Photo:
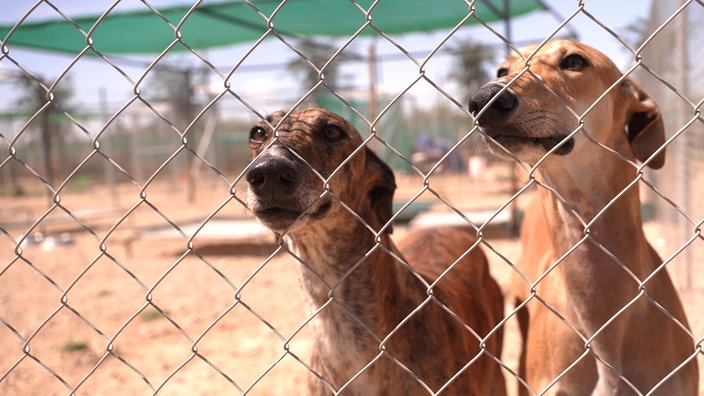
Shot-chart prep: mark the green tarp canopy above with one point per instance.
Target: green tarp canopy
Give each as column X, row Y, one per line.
column 219, row 24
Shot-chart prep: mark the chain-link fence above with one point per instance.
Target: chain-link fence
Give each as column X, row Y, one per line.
column 130, row 262
column 671, row 81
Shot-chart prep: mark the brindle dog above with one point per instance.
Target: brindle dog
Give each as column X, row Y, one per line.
column 379, row 330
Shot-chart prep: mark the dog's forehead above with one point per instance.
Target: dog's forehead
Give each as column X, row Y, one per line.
column 307, row 121
column 552, row 52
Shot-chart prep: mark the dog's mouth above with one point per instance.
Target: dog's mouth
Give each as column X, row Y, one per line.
column 513, row 142
column 276, row 218
column 276, row 212
column 280, row 217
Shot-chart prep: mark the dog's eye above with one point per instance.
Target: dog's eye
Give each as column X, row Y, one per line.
column 257, row 135
column 502, row 72
column 574, row 62
column 333, row 133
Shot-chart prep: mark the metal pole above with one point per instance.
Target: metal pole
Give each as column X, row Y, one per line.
column 506, row 16
column 682, row 148
column 515, row 225
column 105, row 149
column 372, row 91
column 372, row 85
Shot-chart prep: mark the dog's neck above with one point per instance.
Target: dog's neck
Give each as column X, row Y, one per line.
column 599, row 212
column 358, row 282
column 329, row 248
column 599, row 261
column 594, row 191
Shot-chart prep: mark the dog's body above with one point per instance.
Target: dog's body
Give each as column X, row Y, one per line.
column 354, row 279
column 587, row 225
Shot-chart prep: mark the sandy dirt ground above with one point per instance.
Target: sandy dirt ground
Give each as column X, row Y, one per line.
column 123, row 310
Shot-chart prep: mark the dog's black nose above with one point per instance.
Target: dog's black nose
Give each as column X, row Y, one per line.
column 499, row 110
column 273, row 177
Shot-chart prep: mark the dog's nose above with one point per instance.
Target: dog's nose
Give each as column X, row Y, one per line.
column 273, row 177
column 499, row 110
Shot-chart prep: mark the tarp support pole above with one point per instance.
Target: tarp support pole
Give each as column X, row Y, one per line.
column 372, row 89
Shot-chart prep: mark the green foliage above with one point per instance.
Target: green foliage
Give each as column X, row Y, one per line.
column 151, row 314
column 81, row 182
column 18, row 191
column 74, row 346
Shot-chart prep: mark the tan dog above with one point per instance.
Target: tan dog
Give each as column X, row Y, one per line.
column 587, row 224
column 313, row 182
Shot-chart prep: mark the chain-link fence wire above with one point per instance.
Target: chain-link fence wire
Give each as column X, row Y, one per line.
column 672, row 81
column 96, row 299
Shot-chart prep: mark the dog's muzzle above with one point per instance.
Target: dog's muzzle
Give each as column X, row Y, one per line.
column 277, row 193
column 499, row 112
column 495, row 109
column 273, row 176
column 273, row 183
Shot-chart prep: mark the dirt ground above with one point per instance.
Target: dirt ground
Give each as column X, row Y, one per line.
column 121, row 311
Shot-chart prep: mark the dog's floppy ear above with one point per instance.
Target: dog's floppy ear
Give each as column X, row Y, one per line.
column 646, row 131
column 381, row 186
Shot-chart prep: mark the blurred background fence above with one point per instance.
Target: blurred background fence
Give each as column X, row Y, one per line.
column 673, row 82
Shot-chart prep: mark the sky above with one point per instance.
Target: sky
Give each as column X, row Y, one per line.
column 271, row 87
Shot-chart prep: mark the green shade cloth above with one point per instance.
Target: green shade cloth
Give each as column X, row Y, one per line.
column 225, row 23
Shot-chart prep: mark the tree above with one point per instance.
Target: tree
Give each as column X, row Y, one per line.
column 636, row 32
column 315, row 55
column 35, row 97
column 470, row 64
column 175, row 87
